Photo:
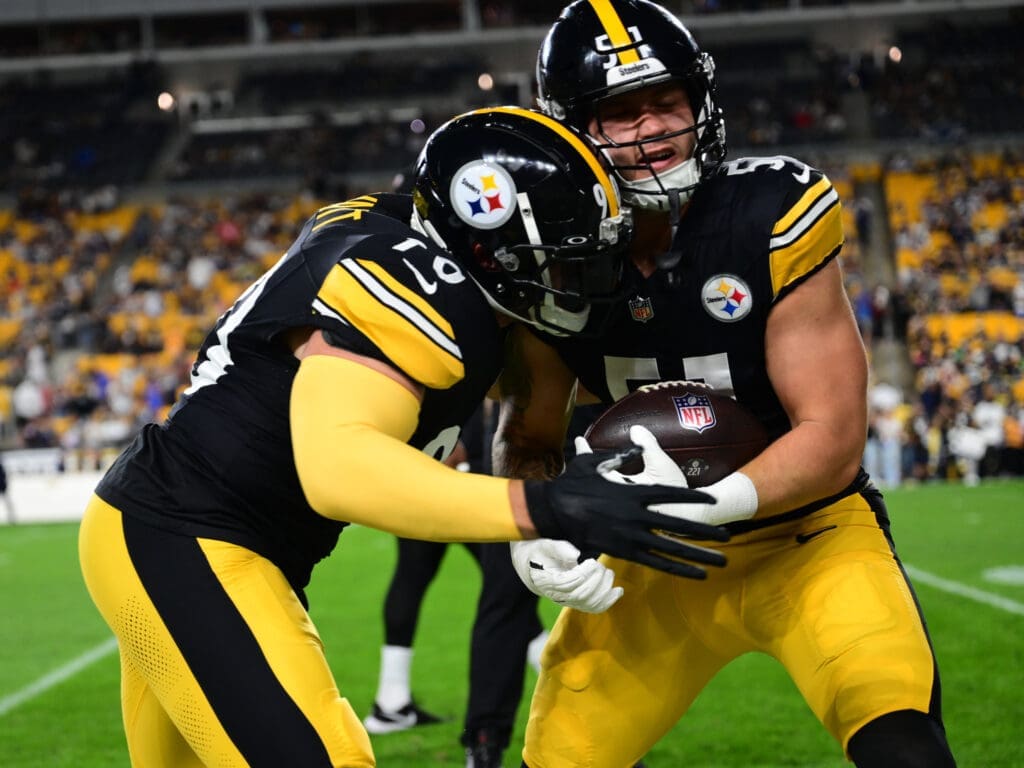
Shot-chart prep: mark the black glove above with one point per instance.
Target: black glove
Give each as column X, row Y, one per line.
column 598, row 515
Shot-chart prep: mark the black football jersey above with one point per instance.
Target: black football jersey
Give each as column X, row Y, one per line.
column 221, row 466
column 752, row 232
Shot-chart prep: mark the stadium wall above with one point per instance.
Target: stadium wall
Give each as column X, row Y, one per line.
column 40, row 492
column 51, row 497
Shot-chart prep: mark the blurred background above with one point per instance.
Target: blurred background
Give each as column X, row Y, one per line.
column 157, row 155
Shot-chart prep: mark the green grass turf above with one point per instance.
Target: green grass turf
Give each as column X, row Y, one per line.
column 750, row 716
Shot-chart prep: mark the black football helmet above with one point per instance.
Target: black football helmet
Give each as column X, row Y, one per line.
column 527, row 207
column 598, row 49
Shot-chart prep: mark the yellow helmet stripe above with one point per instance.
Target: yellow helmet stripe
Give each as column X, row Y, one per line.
column 617, row 34
column 585, row 152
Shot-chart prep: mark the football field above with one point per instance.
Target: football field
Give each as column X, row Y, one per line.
column 964, row 548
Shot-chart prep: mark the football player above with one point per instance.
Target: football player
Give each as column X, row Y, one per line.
column 350, row 363
column 736, row 282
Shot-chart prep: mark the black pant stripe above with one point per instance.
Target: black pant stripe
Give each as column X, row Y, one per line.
column 876, row 501
column 259, row 716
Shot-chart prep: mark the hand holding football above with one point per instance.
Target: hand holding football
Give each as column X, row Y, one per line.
column 709, row 435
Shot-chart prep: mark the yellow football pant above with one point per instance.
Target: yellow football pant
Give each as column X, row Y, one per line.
column 824, row 595
column 220, row 663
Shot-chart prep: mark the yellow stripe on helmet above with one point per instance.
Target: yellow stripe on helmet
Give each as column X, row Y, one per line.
column 585, row 151
column 616, row 31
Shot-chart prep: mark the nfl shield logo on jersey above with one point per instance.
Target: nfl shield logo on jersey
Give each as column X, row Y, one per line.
column 641, row 309
column 695, row 411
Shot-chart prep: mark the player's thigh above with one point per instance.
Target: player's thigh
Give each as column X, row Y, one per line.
column 155, row 677
column 289, row 683
column 225, row 646
column 856, row 643
column 152, row 737
column 613, row 683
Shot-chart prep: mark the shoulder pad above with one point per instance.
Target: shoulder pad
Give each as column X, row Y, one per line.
column 394, row 290
column 806, row 223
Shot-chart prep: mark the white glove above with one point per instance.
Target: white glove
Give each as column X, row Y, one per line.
column 659, row 469
column 735, row 493
column 550, row 568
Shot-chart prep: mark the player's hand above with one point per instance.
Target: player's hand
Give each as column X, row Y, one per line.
column 735, row 495
column 735, row 499
column 551, row 568
column 599, row 515
column 659, row 469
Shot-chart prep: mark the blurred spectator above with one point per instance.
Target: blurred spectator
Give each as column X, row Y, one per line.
column 29, row 402
column 967, row 445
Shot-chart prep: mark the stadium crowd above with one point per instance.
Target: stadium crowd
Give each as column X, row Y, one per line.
column 103, row 295
column 103, row 305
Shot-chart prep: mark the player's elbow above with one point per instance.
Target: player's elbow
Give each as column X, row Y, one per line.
column 846, row 471
column 847, row 455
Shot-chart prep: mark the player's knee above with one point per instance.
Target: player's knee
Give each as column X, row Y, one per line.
column 905, row 739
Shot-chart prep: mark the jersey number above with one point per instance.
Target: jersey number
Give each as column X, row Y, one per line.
column 777, row 163
column 441, row 447
column 625, row 374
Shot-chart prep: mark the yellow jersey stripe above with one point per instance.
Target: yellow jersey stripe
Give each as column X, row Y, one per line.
column 782, row 238
column 616, row 31
column 585, row 152
column 805, row 202
column 410, row 339
column 418, row 304
column 816, row 235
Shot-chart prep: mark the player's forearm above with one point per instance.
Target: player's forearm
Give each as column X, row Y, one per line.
column 817, row 364
column 511, row 460
column 536, row 394
column 518, row 451
column 349, row 427
column 811, row 462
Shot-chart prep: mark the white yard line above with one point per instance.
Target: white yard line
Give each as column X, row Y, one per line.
column 58, row 676
column 956, row 588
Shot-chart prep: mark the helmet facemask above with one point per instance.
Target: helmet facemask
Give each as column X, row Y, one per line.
column 555, row 287
column 668, row 189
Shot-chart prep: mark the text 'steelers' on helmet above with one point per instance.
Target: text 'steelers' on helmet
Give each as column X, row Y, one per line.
column 599, row 49
column 525, row 204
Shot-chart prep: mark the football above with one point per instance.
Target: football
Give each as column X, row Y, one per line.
column 708, row 435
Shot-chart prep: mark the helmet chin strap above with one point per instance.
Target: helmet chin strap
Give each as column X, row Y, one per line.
column 665, row 192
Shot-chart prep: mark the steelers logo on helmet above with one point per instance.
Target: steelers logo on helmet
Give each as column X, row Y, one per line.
column 483, row 194
column 726, row 298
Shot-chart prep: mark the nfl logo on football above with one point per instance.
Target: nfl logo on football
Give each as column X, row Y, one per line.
column 694, row 411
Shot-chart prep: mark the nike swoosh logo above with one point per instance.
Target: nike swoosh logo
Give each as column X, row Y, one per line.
column 803, row 538
column 429, row 288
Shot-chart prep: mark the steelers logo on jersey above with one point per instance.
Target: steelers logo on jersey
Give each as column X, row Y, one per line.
column 726, row 298
column 483, row 195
